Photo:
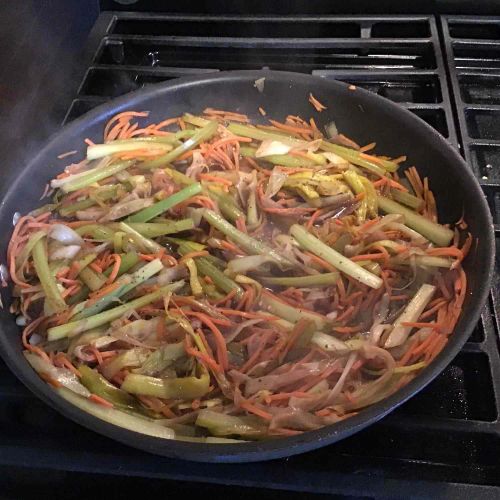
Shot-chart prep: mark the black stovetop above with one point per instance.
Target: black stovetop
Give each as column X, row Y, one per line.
column 446, row 440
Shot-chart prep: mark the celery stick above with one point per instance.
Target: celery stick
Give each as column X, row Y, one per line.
column 174, row 388
column 325, row 279
column 412, row 312
column 165, row 204
column 147, row 244
column 198, row 137
column 97, row 151
column 53, row 297
column 126, row 282
column 75, row 327
column 179, row 177
column 355, row 157
column 282, row 160
column 93, row 280
column 153, row 230
column 248, row 243
column 198, row 121
column 117, row 417
column 95, row 175
column 347, row 266
column 206, row 268
column 434, row 232
column 226, row 205
column 407, row 199
column 262, row 135
column 292, row 314
column 97, row 231
column 128, row 260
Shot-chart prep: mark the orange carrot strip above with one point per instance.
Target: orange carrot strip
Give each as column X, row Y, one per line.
column 316, row 104
column 100, row 401
column 249, row 407
column 116, row 267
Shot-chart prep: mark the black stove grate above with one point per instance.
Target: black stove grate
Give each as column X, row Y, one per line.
column 445, row 440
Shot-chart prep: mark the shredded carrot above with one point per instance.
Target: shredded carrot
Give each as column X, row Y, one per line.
column 215, row 178
column 316, row 104
column 222, row 354
column 116, row 268
column 193, row 255
column 95, row 267
column 250, row 408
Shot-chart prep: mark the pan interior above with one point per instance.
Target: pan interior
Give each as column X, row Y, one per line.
column 358, row 114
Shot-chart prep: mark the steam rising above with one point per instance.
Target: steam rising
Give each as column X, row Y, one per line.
column 41, row 68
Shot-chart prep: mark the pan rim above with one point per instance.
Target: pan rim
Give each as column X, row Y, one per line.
column 273, row 448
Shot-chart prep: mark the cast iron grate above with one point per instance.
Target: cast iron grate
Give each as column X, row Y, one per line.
column 445, row 436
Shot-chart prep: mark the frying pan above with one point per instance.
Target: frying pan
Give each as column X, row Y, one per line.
column 357, row 113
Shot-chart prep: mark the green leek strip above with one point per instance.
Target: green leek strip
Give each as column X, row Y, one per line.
column 410, row 368
column 118, row 241
column 179, row 177
column 128, row 260
column 96, row 151
column 201, row 135
column 433, row 261
column 154, row 229
column 173, row 388
column 197, row 121
column 165, row 204
column 127, row 283
column 407, row 199
column 226, row 205
column 438, row 234
column 85, row 261
column 26, row 252
column 252, row 214
column 289, row 313
column 172, row 139
column 262, row 135
column 49, row 207
column 97, row 231
column 206, row 268
column 99, row 386
column 370, row 197
column 82, row 294
column 282, row 160
column 220, row 424
column 347, row 266
column 160, row 359
column 248, row 243
column 97, row 174
column 75, row 327
column 147, row 244
column 117, row 417
column 355, row 183
column 93, row 280
column 187, row 245
column 74, row 207
column 411, row 313
column 53, row 297
column 353, row 156
column 194, row 282
column 312, row 280
column 423, row 260
column 103, row 194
